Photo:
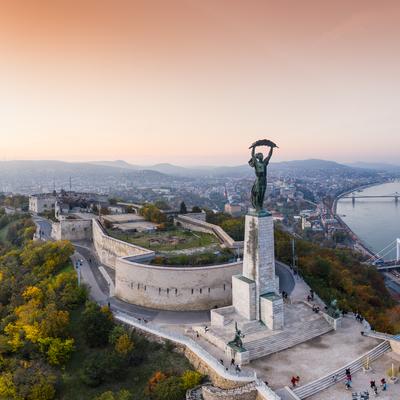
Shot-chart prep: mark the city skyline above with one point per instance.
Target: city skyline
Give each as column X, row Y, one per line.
column 195, row 83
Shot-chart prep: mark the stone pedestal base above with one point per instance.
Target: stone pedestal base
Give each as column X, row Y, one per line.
column 271, row 311
column 244, row 297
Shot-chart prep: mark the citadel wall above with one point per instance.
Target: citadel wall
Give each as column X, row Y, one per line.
column 72, row 229
column 175, row 288
column 109, row 249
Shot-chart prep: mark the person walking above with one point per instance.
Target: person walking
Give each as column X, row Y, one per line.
column 383, row 384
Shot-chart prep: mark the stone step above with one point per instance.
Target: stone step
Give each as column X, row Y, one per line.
column 286, row 339
column 323, row 383
column 315, row 325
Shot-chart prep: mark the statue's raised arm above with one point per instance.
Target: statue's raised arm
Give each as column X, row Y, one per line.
column 259, row 163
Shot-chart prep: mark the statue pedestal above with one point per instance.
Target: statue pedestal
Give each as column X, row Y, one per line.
column 255, row 293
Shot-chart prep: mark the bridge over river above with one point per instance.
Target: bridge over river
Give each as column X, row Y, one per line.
column 354, row 196
column 379, row 258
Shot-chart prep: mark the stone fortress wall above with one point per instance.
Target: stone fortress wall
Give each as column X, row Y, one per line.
column 164, row 288
column 109, row 249
column 72, row 229
column 175, row 288
column 160, row 287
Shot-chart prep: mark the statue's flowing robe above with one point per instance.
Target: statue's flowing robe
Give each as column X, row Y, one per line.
column 260, row 184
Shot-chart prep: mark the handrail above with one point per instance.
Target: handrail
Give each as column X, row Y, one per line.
column 340, row 371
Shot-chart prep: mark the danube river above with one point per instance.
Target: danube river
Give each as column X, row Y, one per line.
column 375, row 221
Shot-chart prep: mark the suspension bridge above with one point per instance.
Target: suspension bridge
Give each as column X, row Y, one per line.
column 354, row 196
column 379, row 258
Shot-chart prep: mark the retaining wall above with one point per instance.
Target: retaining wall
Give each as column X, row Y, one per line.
column 72, row 229
column 109, row 249
column 175, row 288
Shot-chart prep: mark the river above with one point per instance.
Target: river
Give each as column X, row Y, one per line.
column 375, row 221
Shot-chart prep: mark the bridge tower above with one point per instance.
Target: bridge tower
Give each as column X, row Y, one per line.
column 398, row 250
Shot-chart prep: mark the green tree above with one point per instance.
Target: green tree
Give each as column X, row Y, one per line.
column 169, row 389
column 182, row 208
column 7, row 386
column 97, row 324
column 121, row 395
column 93, row 372
column 191, row 379
column 124, row 345
column 115, row 333
column 57, row 350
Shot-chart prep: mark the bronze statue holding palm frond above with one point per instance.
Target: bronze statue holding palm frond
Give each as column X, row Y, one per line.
column 259, row 163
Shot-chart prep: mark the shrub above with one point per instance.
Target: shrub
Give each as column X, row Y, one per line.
column 97, row 324
column 169, row 389
column 93, row 373
column 190, row 379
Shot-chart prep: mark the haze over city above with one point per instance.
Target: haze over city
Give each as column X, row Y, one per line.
column 196, row 83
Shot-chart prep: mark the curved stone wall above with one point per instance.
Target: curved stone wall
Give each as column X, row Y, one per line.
column 175, row 288
column 109, row 249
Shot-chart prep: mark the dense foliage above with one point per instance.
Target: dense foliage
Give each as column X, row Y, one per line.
column 153, row 214
column 339, row 274
column 196, row 259
column 234, row 227
column 54, row 344
column 37, row 293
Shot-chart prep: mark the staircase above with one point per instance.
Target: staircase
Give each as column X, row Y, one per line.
column 265, row 346
column 323, row 383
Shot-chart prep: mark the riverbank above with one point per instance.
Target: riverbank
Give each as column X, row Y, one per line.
column 358, row 245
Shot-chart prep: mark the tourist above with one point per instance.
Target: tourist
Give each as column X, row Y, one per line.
column 383, row 384
column 206, row 329
column 238, row 368
column 312, row 294
column 297, row 380
column 221, row 361
column 348, row 384
column 347, row 372
column 293, row 381
column 232, row 362
column 373, row 387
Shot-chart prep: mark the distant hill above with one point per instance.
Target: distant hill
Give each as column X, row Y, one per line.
column 28, row 176
column 311, row 164
column 232, row 171
column 375, row 166
column 116, row 164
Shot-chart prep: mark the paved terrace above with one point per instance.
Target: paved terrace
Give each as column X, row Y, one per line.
column 317, row 357
column 361, row 382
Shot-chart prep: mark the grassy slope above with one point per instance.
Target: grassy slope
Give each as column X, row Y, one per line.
column 158, row 359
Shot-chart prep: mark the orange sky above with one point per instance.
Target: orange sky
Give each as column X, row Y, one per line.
column 195, row 82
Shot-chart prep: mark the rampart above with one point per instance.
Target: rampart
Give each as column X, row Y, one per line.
column 72, row 229
column 109, row 249
column 175, row 288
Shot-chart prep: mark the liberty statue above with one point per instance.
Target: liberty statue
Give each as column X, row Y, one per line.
column 259, row 163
